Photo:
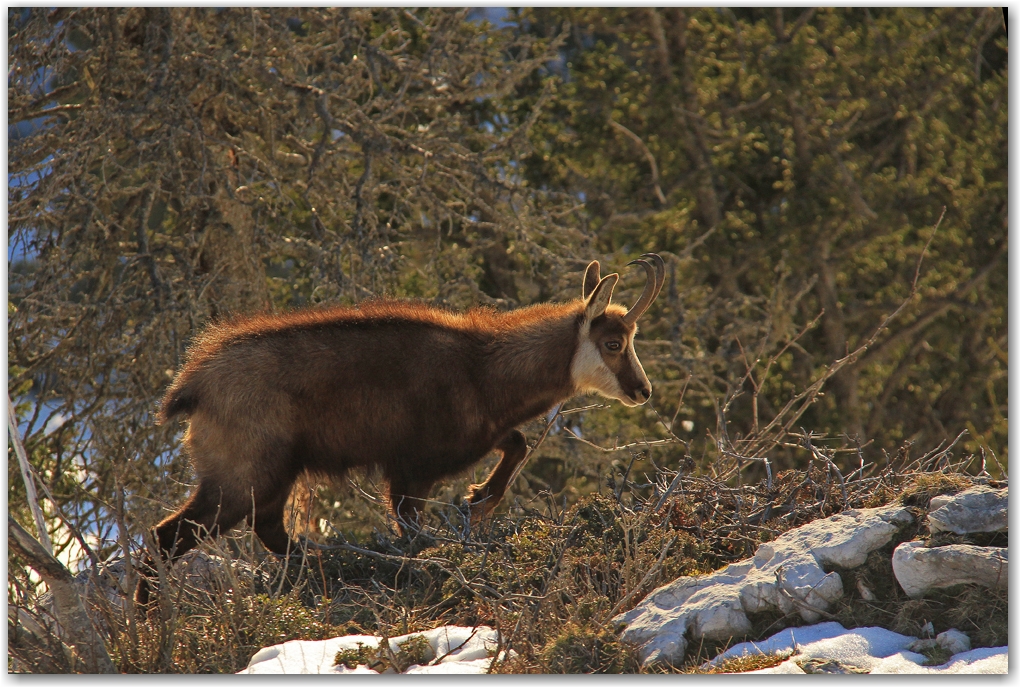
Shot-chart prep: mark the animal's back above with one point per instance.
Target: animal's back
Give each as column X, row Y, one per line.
column 343, row 386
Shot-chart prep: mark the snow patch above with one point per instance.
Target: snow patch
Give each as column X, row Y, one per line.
column 874, row 650
column 459, row 650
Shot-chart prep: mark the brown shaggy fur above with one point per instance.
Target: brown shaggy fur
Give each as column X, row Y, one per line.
column 417, row 392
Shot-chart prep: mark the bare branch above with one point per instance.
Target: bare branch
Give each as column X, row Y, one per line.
column 648, row 156
column 26, row 476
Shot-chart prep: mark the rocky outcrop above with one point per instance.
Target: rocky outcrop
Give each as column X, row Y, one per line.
column 787, row 574
column 978, row 509
column 920, row 569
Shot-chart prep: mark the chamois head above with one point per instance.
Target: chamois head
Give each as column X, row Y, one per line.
column 605, row 361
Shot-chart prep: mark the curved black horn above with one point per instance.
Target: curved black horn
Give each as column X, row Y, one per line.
column 591, row 279
column 656, row 276
column 660, row 272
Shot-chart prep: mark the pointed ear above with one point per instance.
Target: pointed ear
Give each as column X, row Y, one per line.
column 600, row 297
column 591, row 279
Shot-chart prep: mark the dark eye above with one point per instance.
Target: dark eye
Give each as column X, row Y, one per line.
column 613, row 345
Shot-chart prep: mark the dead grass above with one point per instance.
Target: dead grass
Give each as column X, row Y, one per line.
column 936, row 656
column 925, row 486
column 741, row 664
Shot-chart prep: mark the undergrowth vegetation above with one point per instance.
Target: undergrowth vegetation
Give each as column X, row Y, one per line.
column 550, row 579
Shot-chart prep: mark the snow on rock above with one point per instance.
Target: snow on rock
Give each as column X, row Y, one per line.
column 786, row 573
column 919, row 569
column 978, row 509
column 830, row 648
column 457, row 650
column 860, row 648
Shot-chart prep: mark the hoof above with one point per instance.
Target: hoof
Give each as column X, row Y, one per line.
column 479, row 512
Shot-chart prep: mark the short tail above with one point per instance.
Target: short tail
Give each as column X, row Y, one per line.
column 178, row 401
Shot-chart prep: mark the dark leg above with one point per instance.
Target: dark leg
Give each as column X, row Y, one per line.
column 269, row 524
column 210, row 509
column 407, row 503
column 484, row 497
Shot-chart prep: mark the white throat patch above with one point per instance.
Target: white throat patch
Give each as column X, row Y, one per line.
column 589, row 372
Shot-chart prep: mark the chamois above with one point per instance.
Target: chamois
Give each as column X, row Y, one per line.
column 418, row 392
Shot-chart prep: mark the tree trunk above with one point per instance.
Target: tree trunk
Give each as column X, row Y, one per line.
column 76, row 626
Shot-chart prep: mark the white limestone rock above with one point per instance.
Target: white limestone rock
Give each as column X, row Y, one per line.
column 920, row 569
column 952, row 640
column 716, row 606
column 978, row 509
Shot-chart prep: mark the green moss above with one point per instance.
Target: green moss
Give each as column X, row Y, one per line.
column 582, row 649
column 352, row 658
column 415, row 650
